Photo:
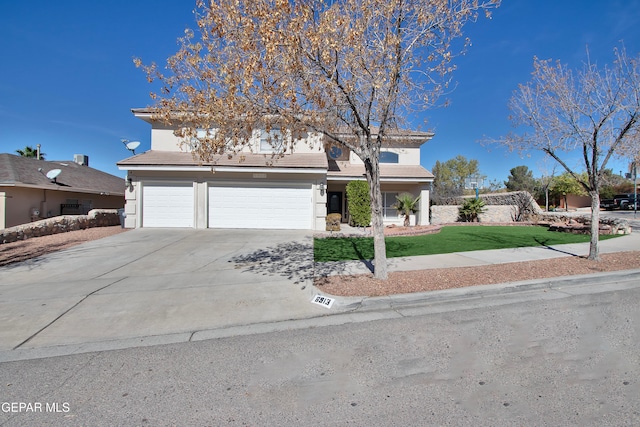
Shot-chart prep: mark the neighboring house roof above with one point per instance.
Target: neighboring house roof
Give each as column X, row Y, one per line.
column 17, row 171
column 346, row 170
column 155, row 158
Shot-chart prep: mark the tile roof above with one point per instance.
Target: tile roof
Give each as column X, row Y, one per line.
column 23, row 172
column 176, row 158
column 344, row 169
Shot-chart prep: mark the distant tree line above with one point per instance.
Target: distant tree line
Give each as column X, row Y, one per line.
column 548, row 190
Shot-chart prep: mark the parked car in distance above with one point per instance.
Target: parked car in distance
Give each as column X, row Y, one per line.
column 619, row 201
column 607, row 204
column 624, row 201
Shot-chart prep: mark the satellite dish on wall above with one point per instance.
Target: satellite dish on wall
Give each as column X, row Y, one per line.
column 131, row 145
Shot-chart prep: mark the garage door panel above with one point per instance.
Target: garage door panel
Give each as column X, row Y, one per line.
column 279, row 207
column 167, row 205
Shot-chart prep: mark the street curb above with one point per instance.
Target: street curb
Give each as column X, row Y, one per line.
column 348, row 310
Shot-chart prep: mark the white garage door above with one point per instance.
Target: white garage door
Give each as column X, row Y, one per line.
column 266, row 206
column 167, row 205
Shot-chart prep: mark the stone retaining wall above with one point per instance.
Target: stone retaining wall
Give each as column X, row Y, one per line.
column 500, row 207
column 60, row 224
column 449, row 214
column 580, row 223
column 574, row 222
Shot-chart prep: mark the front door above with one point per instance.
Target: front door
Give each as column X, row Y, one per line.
column 334, row 202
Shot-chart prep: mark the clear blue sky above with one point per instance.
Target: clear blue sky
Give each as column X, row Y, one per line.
column 67, row 80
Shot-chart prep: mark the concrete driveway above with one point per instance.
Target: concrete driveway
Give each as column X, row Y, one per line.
column 150, row 286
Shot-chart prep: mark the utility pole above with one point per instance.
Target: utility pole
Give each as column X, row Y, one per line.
column 635, row 189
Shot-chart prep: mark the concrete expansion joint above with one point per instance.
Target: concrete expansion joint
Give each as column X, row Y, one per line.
column 65, row 312
column 132, row 260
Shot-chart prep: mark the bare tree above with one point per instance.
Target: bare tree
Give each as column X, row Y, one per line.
column 592, row 113
column 349, row 70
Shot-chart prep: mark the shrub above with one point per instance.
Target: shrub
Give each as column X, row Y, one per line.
column 471, row 210
column 333, row 222
column 359, row 203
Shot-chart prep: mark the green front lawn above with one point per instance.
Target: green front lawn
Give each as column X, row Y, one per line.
column 450, row 239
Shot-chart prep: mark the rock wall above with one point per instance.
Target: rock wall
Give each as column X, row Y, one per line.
column 495, row 214
column 500, row 207
column 60, row 224
column 581, row 223
column 521, row 199
column 573, row 222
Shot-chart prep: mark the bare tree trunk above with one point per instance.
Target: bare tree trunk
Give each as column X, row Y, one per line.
column 377, row 225
column 594, row 252
column 546, row 199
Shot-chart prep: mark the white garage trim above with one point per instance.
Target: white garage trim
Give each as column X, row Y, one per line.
column 167, row 204
column 264, row 205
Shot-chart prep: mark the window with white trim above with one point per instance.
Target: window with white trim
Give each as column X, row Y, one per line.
column 388, row 200
column 271, row 141
column 388, row 157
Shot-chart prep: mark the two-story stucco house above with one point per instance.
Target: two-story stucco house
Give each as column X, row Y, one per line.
column 169, row 188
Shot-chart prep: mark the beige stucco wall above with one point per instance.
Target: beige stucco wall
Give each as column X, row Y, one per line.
column 3, row 209
column 17, row 204
column 163, row 139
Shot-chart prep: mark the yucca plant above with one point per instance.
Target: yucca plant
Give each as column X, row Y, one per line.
column 406, row 205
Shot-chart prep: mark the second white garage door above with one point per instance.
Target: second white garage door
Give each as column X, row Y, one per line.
column 267, row 206
column 167, row 205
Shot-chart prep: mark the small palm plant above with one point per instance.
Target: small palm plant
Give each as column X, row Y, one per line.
column 471, row 210
column 406, row 205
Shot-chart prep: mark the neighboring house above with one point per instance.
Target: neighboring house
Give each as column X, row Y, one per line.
column 169, row 188
column 27, row 194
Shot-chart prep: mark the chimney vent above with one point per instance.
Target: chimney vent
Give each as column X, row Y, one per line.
column 81, row 159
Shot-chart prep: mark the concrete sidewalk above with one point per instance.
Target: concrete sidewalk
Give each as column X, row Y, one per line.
column 154, row 286
column 629, row 242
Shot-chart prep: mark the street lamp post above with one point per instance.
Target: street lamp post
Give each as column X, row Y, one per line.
column 635, row 189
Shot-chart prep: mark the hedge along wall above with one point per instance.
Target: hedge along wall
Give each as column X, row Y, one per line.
column 500, row 207
column 60, row 224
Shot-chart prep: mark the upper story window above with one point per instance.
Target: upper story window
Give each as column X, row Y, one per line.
column 388, row 157
column 271, row 141
column 201, row 134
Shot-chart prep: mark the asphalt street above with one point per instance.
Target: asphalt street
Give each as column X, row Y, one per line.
column 561, row 360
